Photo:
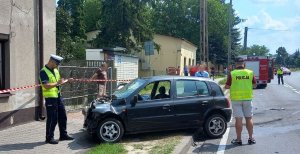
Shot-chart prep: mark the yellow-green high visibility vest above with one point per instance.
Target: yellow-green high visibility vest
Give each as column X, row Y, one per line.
column 52, row 92
column 241, row 85
column 279, row 71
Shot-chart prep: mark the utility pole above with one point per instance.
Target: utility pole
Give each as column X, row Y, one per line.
column 245, row 38
column 203, row 42
column 229, row 34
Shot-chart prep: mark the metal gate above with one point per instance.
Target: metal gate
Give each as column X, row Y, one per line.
column 78, row 94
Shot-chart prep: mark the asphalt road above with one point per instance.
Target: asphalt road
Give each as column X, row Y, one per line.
column 276, row 123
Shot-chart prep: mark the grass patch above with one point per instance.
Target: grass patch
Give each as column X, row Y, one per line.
column 138, row 146
column 165, row 146
column 223, row 81
column 295, row 69
column 219, row 76
column 108, row 148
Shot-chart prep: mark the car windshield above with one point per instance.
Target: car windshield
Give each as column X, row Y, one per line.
column 129, row 88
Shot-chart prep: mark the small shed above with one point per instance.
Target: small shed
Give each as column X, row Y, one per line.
column 126, row 65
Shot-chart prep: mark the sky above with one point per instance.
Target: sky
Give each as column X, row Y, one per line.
column 273, row 23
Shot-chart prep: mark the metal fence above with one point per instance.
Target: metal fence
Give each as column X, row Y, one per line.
column 77, row 94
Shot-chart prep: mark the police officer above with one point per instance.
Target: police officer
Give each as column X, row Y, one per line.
column 240, row 82
column 280, row 75
column 56, row 113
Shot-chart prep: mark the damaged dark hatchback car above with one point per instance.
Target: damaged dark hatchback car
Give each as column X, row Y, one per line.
column 159, row 103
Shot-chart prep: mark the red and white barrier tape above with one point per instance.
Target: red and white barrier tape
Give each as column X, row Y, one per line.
column 96, row 80
column 17, row 89
column 79, row 80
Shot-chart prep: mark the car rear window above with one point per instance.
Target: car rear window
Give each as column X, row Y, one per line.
column 217, row 88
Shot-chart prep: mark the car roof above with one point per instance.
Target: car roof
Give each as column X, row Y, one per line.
column 169, row 77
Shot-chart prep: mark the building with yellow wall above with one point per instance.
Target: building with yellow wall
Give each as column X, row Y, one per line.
column 173, row 52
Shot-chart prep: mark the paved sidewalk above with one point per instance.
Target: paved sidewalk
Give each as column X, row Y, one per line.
column 30, row 138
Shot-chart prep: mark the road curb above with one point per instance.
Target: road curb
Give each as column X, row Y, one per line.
column 184, row 145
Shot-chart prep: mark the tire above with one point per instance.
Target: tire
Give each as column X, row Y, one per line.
column 110, row 130
column 215, row 126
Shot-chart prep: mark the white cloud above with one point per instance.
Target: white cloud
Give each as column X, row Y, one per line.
column 253, row 20
column 270, row 23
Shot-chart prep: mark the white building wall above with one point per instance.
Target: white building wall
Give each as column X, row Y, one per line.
column 18, row 19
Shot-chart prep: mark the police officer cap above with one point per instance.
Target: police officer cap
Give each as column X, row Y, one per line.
column 56, row 58
column 239, row 60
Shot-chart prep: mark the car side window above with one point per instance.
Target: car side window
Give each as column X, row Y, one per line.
column 216, row 88
column 202, row 89
column 185, row 88
column 145, row 93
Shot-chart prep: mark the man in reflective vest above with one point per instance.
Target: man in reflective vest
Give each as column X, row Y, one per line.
column 280, row 76
column 56, row 113
column 240, row 82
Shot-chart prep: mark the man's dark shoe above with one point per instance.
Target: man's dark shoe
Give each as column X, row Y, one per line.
column 236, row 142
column 42, row 118
column 51, row 141
column 65, row 138
column 251, row 141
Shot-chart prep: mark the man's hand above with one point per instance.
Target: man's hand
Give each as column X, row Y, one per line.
column 71, row 80
column 62, row 81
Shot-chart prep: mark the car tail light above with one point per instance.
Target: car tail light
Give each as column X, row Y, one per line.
column 228, row 102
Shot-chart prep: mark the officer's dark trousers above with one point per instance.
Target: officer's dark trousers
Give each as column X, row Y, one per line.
column 56, row 113
column 280, row 77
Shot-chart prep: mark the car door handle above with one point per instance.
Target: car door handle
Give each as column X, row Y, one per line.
column 166, row 107
column 204, row 103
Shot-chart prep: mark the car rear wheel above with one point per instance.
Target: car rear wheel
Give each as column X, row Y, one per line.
column 215, row 126
column 110, row 130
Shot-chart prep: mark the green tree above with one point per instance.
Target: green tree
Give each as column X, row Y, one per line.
column 70, row 35
column 180, row 18
column 92, row 14
column 281, row 57
column 124, row 23
column 255, row 50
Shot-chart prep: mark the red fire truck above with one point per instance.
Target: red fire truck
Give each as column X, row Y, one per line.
column 262, row 68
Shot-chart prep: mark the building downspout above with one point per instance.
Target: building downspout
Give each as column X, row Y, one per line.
column 39, row 46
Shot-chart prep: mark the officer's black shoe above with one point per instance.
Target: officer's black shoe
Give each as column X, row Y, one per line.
column 42, row 118
column 66, row 137
column 51, row 141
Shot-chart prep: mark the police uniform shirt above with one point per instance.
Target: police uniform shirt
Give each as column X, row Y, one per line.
column 229, row 77
column 45, row 79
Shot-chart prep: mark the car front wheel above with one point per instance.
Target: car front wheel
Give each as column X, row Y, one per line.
column 215, row 126
column 110, row 130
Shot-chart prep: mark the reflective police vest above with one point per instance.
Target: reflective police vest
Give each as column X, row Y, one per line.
column 241, row 85
column 279, row 71
column 52, row 92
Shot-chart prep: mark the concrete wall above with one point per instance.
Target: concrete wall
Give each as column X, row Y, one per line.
column 19, row 19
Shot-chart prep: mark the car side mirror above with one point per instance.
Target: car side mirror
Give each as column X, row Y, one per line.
column 134, row 101
column 213, row 93
column 123, row 101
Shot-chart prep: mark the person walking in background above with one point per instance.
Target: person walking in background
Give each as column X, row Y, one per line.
column 56, row 113
column 178, row 70
column 212, row 72
column 101, row 74
column 241, row 82
column 193, row 70
column 201, row 72
column 280, row 76
column 186, row 70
